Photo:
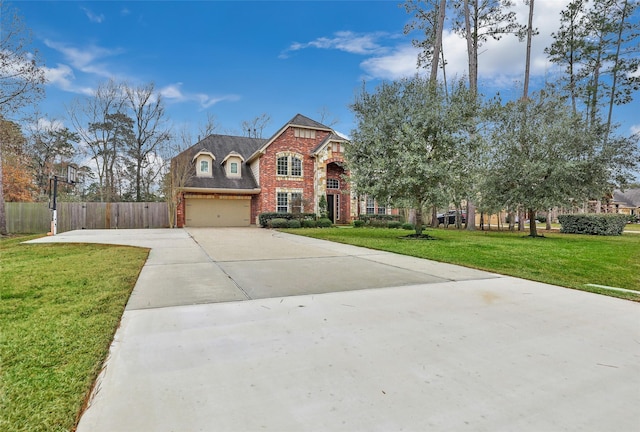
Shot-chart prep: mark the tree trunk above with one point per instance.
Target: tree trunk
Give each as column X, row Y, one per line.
column 533, row 232
column 434, row 217
column 528, row 59
column 437, row 45
column 419, row 220
column 615, row 68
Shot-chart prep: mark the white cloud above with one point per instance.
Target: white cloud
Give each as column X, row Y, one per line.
column 347, row 41
column 60, row 76
column 92, row 16
column 85, row 59
column 635, row 129
column 174, row 93
column 400, row 63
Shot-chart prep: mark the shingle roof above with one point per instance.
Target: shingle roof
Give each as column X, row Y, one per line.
column 331, row 137
column 630, row 197
column 300, row 120
column 221, row 146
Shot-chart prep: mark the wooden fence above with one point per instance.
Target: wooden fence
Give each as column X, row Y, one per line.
column 36, row 217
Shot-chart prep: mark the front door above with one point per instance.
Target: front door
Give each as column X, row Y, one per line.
column 331, row 208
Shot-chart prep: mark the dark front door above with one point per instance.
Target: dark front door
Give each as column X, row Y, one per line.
column 330, row 208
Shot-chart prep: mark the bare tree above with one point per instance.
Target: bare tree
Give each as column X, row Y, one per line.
column 255, row 127
column 21, row 78
column 93, row 119
column 181, row 170
column 150, row 129
column 326, row 117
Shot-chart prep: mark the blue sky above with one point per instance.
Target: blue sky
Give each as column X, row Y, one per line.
column 239, row 59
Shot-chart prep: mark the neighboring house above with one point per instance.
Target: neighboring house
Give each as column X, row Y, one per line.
column 234, row 179
column 627, row 202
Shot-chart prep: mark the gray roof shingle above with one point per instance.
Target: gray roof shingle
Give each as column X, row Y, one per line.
column 221, row 146
column 630, row 197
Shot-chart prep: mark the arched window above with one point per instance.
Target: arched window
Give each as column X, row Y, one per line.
column 289, row 165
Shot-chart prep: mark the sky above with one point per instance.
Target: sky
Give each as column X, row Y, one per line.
column 237, row 60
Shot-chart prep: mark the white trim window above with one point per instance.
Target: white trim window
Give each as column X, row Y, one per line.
column 289, row 202
column 289, row 165
column 204, row 166
column 371, row 205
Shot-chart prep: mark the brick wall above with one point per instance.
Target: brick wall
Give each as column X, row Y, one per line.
column 269, row 181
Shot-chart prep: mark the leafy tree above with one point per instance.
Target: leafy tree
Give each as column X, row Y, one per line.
column 21, row 78
column 17, row 175
column 48, row 143
column 407, row 141
column 544, row 155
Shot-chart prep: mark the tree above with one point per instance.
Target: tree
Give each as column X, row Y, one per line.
column 151, row 134
column 429, row 17
column 255, row 127
column 21, row 78
column 597, row 47
column 18, row 182
column 47, row 143
column 544, row 155
column 477, row 21
column 99, row 121
column 406, row 143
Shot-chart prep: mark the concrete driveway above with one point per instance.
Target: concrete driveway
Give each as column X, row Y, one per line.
column 250, row 329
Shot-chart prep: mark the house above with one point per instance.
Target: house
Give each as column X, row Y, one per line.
column 233, row 179
column 627, row 202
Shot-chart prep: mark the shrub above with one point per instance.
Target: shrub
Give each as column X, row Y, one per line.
column 633, row 218
column 309, row 223
column 378, row 217
column 394, row 224
column 358, row 223
column 324, row 223
column 278, row 223
column 596, row 224
column 378, row 223
column 293, row 223
column 264, row 218
column 408, row 226
column 541, row 219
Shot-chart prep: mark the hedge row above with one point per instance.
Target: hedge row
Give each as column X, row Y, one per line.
column 295, row 223
column 597, row 224
column 264, row 218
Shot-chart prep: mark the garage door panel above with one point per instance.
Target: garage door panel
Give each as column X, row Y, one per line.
column 218, row 212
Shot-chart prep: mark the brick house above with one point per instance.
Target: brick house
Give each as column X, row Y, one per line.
column 233, row 179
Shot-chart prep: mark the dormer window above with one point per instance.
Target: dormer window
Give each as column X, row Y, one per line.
column 203, row 162
column 204, row 166
column 232, row 165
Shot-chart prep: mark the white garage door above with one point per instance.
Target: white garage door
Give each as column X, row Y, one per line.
column 217, row 212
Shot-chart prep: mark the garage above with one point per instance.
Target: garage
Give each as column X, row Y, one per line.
column 218, row 212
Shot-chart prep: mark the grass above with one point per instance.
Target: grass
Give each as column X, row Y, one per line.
column 560, row 259
column 60, row 305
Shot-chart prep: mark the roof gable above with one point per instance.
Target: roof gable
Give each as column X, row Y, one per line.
column 297, row 121
column 630, row 197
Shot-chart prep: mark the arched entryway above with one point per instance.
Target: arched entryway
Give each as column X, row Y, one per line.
column 337, row 192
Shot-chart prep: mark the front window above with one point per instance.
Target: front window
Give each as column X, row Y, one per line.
column 333, row 183
column 382, row 210
column 234, row 167
column 289, row 165
column 282, row 202
column 283, row 166
column 371, row 206
column 296, row 203
column 296, row 167
column 204, row 166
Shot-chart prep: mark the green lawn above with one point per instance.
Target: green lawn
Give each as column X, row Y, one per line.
column 560, row 259
column 60, row 305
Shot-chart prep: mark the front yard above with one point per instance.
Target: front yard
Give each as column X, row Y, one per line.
column 572, row 261
column 60, row 305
